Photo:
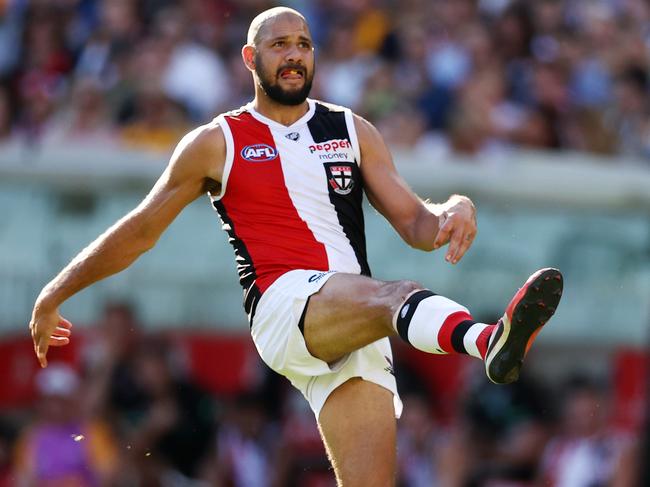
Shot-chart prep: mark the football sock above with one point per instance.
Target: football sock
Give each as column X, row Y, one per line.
column 436, row 324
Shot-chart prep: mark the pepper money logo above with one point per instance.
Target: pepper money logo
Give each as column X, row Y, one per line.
column 259, row 153
column 336, row 149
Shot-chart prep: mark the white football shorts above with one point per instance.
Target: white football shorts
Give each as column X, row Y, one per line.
column 281, row 344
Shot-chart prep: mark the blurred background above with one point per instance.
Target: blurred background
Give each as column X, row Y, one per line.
column 538, row 110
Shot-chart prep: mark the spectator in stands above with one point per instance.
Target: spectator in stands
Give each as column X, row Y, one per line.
column 418, row 439
column 159, row 122
column 501, row 435
column 45, row 65
column 85, row 120
column 632, row 468
column 11, row 24
column 404, row 128
column 630, row 115
column 7, row 436
column 120, row 22
column 109, row 361
column 62, row 445
column 5, row 114
column 343, row 69
column 191, row 68
column 171, row 424
column 241, row 89
column 586, row 129
column 564, row 67
column 476, row 125
column 165, row 420
column 301, row 458
column 247, row 447
column 117, row 30
column 585, row 451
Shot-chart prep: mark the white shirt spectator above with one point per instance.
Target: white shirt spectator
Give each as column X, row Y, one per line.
column 197, row 78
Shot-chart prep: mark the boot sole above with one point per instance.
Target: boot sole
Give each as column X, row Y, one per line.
column 528, row 311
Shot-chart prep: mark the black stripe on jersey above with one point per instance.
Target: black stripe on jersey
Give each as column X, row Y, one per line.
column 245, row 267
column 327, row 125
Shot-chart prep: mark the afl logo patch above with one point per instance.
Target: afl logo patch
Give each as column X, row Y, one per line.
column 259, row 153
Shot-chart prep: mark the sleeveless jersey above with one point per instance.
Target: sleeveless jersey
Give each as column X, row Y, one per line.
column 291, row 196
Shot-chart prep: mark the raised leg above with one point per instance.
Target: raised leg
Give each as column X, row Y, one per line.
column 351, row 311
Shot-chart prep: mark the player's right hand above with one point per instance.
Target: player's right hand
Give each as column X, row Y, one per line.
column 48, row 328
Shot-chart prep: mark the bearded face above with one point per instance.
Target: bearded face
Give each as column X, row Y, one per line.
column 289, row 84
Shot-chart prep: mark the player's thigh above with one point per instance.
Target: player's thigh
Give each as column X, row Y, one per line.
column 358, row 427
column 351, row 311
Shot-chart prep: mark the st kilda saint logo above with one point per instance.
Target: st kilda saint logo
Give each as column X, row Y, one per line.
column 339, row 177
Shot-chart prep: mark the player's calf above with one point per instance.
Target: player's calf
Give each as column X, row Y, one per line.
column 436, row 324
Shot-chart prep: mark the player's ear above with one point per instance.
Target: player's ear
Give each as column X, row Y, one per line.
column 248, row 55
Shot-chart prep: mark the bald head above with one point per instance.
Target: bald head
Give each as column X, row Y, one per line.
column 264, row 20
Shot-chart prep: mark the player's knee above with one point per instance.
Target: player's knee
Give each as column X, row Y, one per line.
column 402, row 289
column 394, row 293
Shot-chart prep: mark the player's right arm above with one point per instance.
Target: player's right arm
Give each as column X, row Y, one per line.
column 196, row 166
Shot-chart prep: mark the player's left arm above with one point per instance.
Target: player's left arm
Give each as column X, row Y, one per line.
column 422, row 225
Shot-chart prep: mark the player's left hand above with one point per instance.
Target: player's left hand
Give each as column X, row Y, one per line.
column 457, row 227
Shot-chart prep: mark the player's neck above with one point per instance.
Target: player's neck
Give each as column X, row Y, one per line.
column 283, row 114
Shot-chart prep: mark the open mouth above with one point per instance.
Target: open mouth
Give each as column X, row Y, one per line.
column 292, row 73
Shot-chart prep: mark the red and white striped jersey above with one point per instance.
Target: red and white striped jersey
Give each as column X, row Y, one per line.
column 291, row 196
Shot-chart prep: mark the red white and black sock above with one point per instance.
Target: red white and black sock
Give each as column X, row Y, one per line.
column 436, row 324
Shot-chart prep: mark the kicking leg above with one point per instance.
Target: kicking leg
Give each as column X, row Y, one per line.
column 358, row 427
column 351, row 311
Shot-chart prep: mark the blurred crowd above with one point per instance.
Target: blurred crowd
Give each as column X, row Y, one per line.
column 131, row 416
column 464, row 76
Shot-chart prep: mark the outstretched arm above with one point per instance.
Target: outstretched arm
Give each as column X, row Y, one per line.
column 195, row 166
column 422, row 225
